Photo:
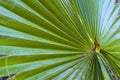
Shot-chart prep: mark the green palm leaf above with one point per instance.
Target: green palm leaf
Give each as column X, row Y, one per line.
column 60, row 39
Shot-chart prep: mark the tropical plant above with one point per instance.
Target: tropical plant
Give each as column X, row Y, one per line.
column 60, row 39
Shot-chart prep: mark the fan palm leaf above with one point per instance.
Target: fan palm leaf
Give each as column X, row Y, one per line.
column 60, row 39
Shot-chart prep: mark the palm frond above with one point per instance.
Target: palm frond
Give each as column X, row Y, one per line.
column 55, row 39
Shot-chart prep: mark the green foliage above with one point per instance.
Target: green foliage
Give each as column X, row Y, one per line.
column 54, row 39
